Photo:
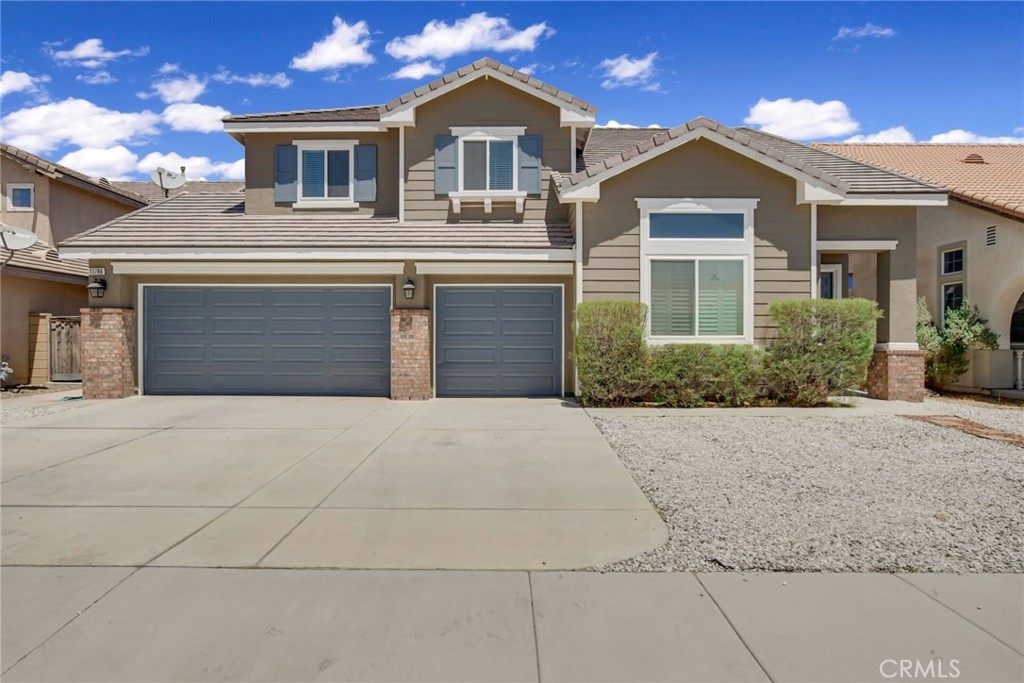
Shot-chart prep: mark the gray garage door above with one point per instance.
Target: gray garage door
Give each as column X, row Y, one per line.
column 499, row 341
column 267, row 340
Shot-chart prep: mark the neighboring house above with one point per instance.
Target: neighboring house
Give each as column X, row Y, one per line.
column 974, row 247
column 438, row 245
column 55, row 203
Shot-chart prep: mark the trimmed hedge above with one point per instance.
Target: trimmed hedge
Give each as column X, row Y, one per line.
column 822, row 348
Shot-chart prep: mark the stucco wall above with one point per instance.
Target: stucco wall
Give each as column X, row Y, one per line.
column 37, row 221
column 699, row 169
column 483, row 102
column 259, row 172
column 994, row 274
column 20, row 296
column 73, row 210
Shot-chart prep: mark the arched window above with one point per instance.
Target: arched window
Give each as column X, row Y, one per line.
column 1017, row 325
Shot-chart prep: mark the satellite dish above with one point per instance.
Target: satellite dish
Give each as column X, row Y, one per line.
column 15, row 239
column 167, row 180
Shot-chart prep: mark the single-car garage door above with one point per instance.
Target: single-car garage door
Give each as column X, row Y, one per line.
column 267, row 340
column 499, row 341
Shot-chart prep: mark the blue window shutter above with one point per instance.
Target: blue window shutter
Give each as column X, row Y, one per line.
column 366, row 173
column 446, row 164
column 529, row 163
column 286, row 173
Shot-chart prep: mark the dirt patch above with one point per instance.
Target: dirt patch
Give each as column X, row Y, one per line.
column 971, row 427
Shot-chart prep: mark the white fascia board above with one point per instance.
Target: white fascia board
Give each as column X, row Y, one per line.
column 254, row 268
column 384, row 254
column 590, row 193
column 896, row 200
column 305, row 127
column 477, row 268
column 833, row 246
column 568, row 117
column 807, row 193
column 398, row 114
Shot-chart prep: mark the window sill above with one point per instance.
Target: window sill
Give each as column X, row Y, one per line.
column 487, row 198
column 659, row 341
column 21, row 209
column 327, row 204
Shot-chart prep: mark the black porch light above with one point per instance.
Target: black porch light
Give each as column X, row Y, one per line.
column 409, row 288
column 97, row 288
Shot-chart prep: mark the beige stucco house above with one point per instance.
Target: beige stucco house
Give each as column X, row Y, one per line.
column 974, row 247
column 438, row 245
column 55, row 203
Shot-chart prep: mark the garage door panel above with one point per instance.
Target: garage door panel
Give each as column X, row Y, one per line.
column 267, row 340
column 499, row 341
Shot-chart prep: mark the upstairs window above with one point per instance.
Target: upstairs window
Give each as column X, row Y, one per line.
column 326, row 173
column 952, row 261
column 20, row 196
column 488, row 159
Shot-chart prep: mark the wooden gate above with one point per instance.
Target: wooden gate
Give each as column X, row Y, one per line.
column 64, row 347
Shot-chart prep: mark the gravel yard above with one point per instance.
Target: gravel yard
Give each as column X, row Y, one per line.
column 815, row 492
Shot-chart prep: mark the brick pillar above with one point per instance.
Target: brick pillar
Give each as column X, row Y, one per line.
column 895, row 375
column 410, row 355
column 108, row 352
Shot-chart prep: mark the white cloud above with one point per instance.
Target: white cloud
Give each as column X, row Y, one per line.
column 894, row 134
column 278, row 80
column 529, row 69
column 196, row 168
column 75, row 121
column 168, row 68
column 802, row 119
column 440, row 40
column 418, row 70
column 185, row 89
column 961, row 136
column 19, row 81
column 112, row 163
column 189, row 116
column 868, row 30
column 96, row 78
column 626, row 71
column 92, row 55
column 346, row 45
column 612, row 123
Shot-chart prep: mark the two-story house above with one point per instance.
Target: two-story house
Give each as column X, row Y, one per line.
column 54, row 202
column 438, row 245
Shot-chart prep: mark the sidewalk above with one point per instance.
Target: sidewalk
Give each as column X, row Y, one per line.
column 123, row 624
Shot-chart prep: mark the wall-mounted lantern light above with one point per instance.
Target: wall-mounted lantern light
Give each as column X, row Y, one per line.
column 97, row 288
column 409, row 288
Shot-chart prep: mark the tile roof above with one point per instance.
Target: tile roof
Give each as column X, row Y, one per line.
column 154, row 194
column 56, row 171
column 44, row 258
column 374, row 112
column 201, row 221
column 996, row 183
column 844, row 175
column 608, row 142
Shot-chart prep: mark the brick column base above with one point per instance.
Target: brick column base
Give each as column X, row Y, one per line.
column 410, row 355
column 107, row 353
column 896, row 375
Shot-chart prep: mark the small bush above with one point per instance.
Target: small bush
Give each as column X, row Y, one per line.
column 823, row 347
column 688, row 375
column 946, row 356
column 611, row 356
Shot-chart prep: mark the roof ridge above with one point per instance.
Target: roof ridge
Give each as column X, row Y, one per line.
column 318, row 110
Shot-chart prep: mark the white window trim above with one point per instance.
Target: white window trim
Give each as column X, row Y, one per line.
column 699, row 250
column 942, row 297
column 837, row 278
column 942, row 261
column 487, row 134
column 11, row 187
column 326, row 146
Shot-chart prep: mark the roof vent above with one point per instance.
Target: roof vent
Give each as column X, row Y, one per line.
column 104, row 182
column 974, row 159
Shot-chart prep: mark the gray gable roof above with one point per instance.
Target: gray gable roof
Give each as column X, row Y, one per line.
column 844, row 175
column 341, row 114
column 603, row 143
column 216, row 221
column 154, row 194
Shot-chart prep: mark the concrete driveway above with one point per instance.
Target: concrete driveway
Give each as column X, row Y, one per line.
column 319, row 482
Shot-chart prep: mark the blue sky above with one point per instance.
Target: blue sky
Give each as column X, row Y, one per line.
column 116, row 89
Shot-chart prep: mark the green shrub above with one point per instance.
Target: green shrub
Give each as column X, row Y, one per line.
column 688, row 375
column 946, row 356
column 823, row 347
column 611, row 356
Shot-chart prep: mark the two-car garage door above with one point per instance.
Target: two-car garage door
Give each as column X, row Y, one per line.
column 324, row 340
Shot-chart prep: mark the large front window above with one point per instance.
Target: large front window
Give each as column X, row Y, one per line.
column 697, row 269
column 325, row 173
column 489, row 164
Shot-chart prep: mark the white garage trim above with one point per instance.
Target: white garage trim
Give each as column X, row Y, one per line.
column 255, row 268
column 455, row 268
column 140, row 305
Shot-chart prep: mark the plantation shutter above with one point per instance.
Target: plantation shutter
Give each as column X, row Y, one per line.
column 501, row 165
column 446, row 164
column 314, row 180
column 720, row 302
column 366, row 173
column 672, row 298
column 530, row 163
column 286, row 173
